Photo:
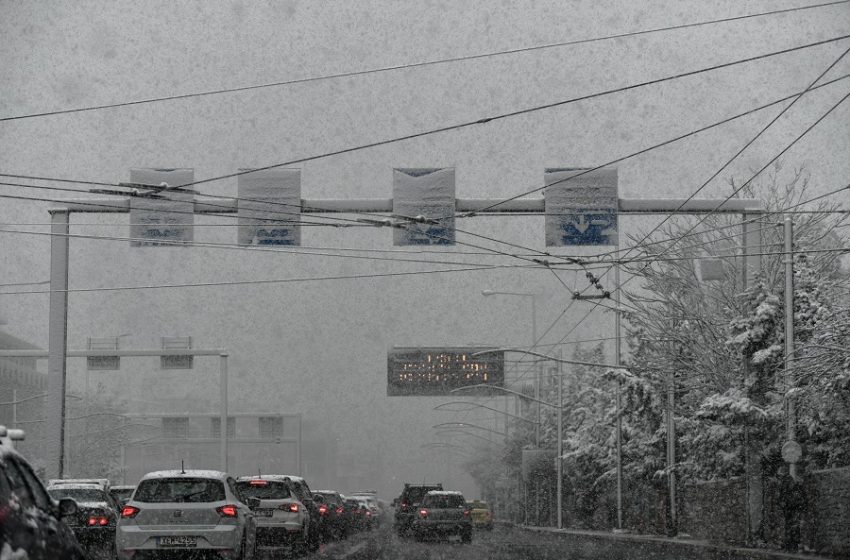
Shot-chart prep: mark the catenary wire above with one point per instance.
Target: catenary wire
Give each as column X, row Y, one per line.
column 417, row 64
column 233, row 246
column 520, row 112
column 33, row 177
column 782, row 112
column 273, row 281
column 619, row 287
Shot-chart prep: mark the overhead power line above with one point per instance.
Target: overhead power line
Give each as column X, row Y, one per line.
column 520, row 112
column 277, row 280
column 355, row 223
column 596, row 303
column 255, row 248
column 421, row 64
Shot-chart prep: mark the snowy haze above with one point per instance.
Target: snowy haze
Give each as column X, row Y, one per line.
column 319, row 348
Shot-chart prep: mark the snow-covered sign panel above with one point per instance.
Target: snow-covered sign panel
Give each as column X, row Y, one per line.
column 422, row 372
column 580, row 210
column 428, row 195
column 269, row 207
column 168, row 218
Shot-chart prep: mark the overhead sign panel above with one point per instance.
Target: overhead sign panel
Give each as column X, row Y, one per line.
column 167, row 218
column 428, row 193
column 583, row 210
column 269, row 207
column 422, row 372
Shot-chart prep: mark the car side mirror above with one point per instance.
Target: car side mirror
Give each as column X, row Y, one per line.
column 67, row 507
column 253, row 502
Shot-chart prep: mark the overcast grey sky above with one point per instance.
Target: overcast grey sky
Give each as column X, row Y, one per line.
column 297, row 346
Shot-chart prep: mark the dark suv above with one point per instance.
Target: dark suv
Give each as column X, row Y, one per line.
column 406, row 504
column 30, row 521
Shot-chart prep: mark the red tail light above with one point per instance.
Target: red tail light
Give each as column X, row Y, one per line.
column 404, row 504
column 466, row 513
column 97, row 520
column 129, row 512
column 259, row 483
column 227, row 511
column 323, row 509
column 290, row 507
column 368, row 514
column 340, row 510
column 423, row 513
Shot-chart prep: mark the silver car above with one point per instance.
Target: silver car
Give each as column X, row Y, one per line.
column 187, row 510
column 282, row 520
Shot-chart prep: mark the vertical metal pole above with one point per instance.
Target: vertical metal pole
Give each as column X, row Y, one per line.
column 617, row 360
column 789, row 335
column 559, row 470
column 671, row 451
column 744, row 247
column 300, row 448
column 223, row 389
column 14, row 408
column 537, row 381
column 123, row 463
column 57, row 341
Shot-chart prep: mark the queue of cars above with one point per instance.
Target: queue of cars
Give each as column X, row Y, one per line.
column 203, row 510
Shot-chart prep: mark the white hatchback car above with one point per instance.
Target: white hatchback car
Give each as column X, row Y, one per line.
column 282, row 520
column 190, row 510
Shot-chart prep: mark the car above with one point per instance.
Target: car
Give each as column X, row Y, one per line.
column 32, row 525
column 331, row 514
column 102, row 483
column 96, row 518
column 301, row 490
column 282, row 519
column 482, row 515
column 356, row 517
column 121, row 493
column 442, row 513
column 370, row 518
column 407, row 502
column 197, row 510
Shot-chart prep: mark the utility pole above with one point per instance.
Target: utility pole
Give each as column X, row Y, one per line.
column 618, row 361
column 14, row 408
column 791, row 417
column 671, row 450
column 559, row 470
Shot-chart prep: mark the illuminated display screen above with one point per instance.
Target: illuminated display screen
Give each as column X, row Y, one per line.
column 436, row 371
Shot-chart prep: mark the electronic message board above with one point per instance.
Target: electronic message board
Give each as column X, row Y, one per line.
column 422, row 372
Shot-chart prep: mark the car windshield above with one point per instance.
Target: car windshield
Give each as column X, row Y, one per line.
column 264, row 489
column 179, row 490
column 444, row 501
column 80, row 494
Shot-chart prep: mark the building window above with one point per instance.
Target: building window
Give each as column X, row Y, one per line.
column 271, row 427
column 215, row 427
column 175, row 427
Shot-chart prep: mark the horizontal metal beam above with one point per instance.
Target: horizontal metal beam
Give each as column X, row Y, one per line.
column 87, row 353
column 385, row 205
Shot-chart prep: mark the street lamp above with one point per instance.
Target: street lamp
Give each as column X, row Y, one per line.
column 559, row 407
column 461, row 425
column 488, row 293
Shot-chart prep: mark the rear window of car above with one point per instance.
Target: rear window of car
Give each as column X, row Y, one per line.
column 179, row 490
column 328, row 498
column 415, row 495
column 121, row 492
column 79, row 494
column 264, row 489
column 444, row 501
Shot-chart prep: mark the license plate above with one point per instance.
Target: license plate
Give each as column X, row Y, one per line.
column 180, row 541
column 264, row 512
